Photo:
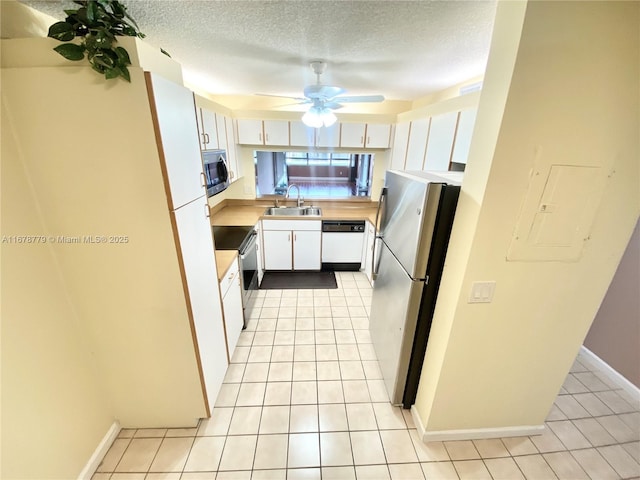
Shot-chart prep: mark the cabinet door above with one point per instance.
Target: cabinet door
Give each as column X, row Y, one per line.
column 400, row 141
column 199, row 271
column 306, row 250
column 328, row 136
column 221, row 124
column 250, row 132
column 368, row 252
column 443, row 129
column 177, row 131
column 417, row 144
column 277, row 250
column 464, row 132
column 210, row 130
column 301, row 135
column 378, row 135
column 352, row 135
column 259, row 250
column 232, row 155
column 276, row 132
column 233, row 315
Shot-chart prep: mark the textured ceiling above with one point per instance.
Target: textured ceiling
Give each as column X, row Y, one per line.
column 402, row 49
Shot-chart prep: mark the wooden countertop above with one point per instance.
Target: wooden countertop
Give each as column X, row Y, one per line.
column 251, row 214
column 224, row 259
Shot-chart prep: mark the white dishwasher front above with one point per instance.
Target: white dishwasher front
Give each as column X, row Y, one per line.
column 342, row 243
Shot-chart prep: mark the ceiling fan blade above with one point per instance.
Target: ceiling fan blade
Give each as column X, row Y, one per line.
column 360, row 99
column 299, row 99
column 333, row 105
column 323, row 92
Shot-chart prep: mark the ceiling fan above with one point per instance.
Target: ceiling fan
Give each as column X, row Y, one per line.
column 325, row 98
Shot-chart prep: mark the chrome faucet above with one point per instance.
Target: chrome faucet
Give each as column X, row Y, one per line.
column 300, row 200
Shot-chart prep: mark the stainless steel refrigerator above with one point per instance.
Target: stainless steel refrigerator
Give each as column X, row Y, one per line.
column 415, row 215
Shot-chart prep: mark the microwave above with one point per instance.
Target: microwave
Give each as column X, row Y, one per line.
column 216, row 171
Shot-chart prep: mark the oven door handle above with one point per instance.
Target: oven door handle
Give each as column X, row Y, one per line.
column 250, row 244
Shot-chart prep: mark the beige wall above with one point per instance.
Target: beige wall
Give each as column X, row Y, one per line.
column 55, row 410
column 570, row 98
column 615, row 333
column 92, row 333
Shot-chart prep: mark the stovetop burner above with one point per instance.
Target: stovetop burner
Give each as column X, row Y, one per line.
column 231, row 238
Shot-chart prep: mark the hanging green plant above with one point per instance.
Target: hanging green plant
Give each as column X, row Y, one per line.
column 98, row 23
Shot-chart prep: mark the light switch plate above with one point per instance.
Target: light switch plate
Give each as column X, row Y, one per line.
column 482, row 292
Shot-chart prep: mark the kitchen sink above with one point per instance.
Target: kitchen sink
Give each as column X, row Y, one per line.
column 294, row 211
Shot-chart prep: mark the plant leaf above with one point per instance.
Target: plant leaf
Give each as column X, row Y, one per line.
column 92, row 11
column 125, row 73
column 123, row 56
column 62, row 31
column 110, row 73
column 71, row 51
column 165, row 52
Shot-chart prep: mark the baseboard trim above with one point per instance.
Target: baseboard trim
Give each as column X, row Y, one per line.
column 100, row 451
column 473, row 434
column 625, row 384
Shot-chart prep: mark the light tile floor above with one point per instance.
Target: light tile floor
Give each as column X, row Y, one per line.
column 303, row 399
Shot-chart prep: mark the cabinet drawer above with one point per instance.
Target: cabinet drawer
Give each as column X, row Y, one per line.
column 313, row 225
column 229, row 276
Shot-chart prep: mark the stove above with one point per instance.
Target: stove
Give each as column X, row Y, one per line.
column 242, row 239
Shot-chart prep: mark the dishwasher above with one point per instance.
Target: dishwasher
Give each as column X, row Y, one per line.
column 342, row 244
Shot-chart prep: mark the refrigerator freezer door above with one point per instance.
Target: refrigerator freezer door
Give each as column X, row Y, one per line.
column 408, row 220
column 394, row 312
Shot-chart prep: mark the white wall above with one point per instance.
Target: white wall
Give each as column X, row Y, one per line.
column 571, row 98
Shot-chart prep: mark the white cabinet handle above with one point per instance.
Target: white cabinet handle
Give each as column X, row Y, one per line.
column 207, row 211
column 230, row 277
column 361, row 139
column 368, row 140
column 206, row 138
column 203, row 180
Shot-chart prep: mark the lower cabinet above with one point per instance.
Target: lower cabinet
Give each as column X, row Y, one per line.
column 367, row 256
column 291, row 244
column 231, row 290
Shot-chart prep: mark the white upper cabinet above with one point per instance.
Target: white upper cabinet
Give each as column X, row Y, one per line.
column 328, row 136
column 352, row 135
column 232, row 157
column 177, row 127
column 417, row 144
column 301, row 135
column 464, row 132
column 208, row 130
column 250, row 132
column 400, row 141
column 443, row 129
column 222, row 131
column 276, row 132
column 257, row 132
column 378, row 135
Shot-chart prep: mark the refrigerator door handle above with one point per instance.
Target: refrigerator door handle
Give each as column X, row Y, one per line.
column 374, row 270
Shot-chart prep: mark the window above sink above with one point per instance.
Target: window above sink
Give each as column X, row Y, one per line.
column 319, row 175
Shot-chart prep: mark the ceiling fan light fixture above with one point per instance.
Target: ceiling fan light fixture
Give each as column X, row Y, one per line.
column 328, row 117
column 312, row 118
column 317, row 117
